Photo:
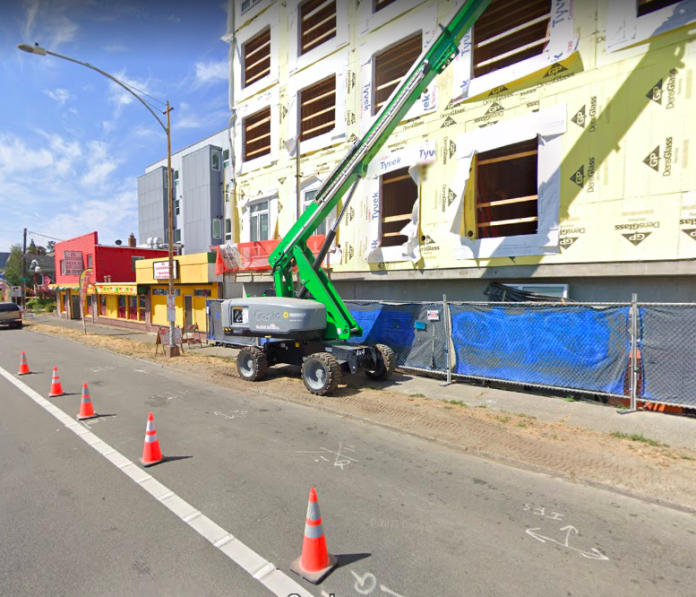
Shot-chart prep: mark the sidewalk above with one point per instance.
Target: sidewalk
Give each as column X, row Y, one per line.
column 676, row 431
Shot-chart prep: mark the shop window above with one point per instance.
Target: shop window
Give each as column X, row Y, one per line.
column 557, row 290
column 506, row 191
column 399, row 192
column 317, row 23
column 257, row 135
column 647, row 6
column 202, row 292
column 307, row 199
column 318, row 109
column 102, row 305
column 510, row 31
column 226, row 158
column 256, row 54
column 142, row 307
column 259, row 221
column 133, row 261
column 380, row 4
column 62, row 268
column 133, row 308
column 122, row 308
column 215, row 160
column 392, row 65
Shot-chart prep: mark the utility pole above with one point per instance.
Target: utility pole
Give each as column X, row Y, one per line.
column 24, row 271
column 172, row 350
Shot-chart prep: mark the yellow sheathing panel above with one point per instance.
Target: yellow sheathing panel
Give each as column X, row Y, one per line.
column 627, row 190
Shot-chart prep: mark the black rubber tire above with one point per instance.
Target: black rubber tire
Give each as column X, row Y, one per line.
column 20, row 326
column 325, row 383
column 252, row 364
column 387, row 363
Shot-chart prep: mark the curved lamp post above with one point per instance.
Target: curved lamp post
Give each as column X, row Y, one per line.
column 172, row 350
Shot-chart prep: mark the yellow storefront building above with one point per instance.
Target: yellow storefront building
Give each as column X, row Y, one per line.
column 195, row 282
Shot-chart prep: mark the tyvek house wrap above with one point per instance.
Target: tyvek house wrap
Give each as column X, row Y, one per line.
column 548, row 125
column 412, row 156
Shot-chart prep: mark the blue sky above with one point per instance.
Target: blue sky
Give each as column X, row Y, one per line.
column 71, row 142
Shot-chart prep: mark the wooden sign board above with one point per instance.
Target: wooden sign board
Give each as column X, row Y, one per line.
column 163, row 339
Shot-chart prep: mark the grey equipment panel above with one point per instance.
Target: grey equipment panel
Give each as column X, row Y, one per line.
column 275, row 317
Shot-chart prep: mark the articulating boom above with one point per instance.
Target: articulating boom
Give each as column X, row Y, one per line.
column 293, row 247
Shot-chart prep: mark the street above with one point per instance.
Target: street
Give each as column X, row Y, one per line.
column 406, row 517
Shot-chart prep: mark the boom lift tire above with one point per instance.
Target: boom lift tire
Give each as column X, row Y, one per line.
column 321, row 373
column 387, row 363
column 252, row 364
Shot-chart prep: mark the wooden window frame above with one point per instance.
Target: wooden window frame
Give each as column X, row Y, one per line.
column 378, row 5
column 653, row 6
column 257, row 56
column 259, row 118
column 402, row 219
column 321, row 128
column 530, row 47
column 390, row 54
column 489, row 226
column 305, row 19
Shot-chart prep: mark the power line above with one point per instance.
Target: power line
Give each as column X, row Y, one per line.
column 45, row 236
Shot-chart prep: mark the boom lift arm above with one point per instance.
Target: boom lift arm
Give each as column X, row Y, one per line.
column 346, row 176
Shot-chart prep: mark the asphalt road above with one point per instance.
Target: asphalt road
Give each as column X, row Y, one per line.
column 408, row 518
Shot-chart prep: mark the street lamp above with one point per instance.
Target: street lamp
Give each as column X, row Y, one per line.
column 172, row 350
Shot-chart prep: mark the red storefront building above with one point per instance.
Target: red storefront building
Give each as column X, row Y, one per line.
column 113, row 297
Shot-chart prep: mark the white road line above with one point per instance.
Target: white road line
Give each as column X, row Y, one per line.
column 261, row 569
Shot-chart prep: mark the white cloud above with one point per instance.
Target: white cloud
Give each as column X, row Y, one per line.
column 47, row 22
column 16, row 157
column 59, row 95
column 120, row 97
column 211, row 72
column 101, row 165
column 174, row 19
column 109, row 126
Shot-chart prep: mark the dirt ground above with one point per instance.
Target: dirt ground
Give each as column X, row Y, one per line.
column 637, row 466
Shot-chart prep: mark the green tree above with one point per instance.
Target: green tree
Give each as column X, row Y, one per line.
column 32, row 248
column 13, row 269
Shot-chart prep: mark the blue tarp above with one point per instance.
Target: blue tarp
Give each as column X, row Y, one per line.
column 565, row 346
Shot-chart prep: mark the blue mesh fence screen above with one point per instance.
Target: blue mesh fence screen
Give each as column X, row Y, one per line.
column 568, row 346
column 414, row 331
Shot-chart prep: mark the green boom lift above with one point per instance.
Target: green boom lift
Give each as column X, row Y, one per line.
column 305, row 332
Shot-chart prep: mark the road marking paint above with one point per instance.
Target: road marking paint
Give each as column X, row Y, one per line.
column 279, row 583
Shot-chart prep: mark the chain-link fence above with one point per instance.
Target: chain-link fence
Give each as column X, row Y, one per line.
column 645, row 352
column 666, row 354
column 416, row 332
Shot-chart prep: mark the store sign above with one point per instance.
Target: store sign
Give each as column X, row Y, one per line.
column 165, row 292
column 16, row 291
column 160, row 270
column 73, row 263
column 433, row 315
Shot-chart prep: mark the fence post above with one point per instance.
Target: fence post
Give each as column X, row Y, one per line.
column 634, row 357
column 448, row 340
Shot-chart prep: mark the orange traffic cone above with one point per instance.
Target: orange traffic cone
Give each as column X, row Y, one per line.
column 86, row 410
column 315, row 562
column 23, row 365
column 56, row 387
column 151, row 450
